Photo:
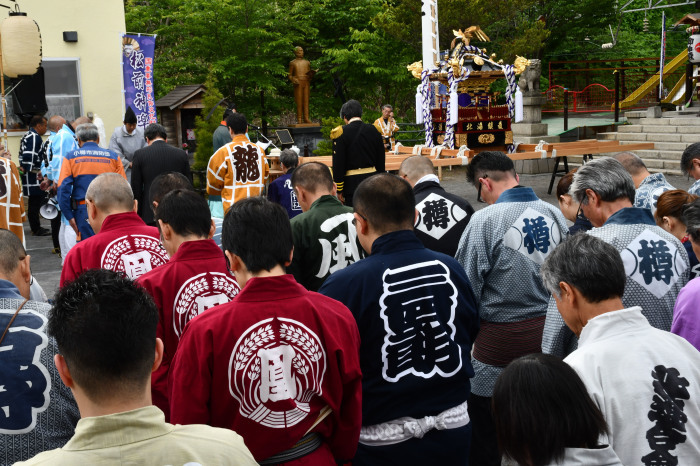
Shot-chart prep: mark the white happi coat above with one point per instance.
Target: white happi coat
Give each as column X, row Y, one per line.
column 656, row 265
column 646, row 382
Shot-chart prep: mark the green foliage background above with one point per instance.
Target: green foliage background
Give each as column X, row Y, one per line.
column 243, row 47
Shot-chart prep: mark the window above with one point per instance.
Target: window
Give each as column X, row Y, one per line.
column 62, row 85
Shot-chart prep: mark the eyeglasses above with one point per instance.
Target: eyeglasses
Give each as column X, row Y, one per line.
column 478, row 189
column 354, row 220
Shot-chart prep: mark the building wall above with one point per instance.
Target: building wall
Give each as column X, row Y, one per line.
column 99, row 24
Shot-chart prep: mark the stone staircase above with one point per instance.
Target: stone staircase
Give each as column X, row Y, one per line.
column 671, row 133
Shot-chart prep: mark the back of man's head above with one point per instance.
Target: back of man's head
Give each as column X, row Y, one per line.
column 588, row 264
column 165, row 183
column 633, row 164
column 314, row 177
column 155, row 131
column 105, row 328
column 11, row 252
column 351, row 109
column 79, row 121
column 606, row 177
column 36, row 120
column 237, row 122
column 111, row 194
column 497, row 165
column 253, row 222
column 690, row 216
column 56, row 122
column 416, row 167
column 689, row 154
column 386, row 202
column 186, row 212
column 87, row 132
column 289, row 158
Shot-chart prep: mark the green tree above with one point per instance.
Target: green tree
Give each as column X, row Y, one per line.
column 203, row 128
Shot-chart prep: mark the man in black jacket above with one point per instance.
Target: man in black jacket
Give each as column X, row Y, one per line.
column 442, row 217
column 158, row 157
column 358, row 151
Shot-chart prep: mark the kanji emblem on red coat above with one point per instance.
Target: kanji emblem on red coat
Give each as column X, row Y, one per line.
column 133, row 255
column 200, row 293
column 276, row 368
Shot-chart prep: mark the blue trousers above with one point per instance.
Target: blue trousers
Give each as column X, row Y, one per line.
column 81, row 219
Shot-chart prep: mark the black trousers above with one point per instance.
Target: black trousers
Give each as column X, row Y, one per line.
column 351, row 184
column 55, row 229
column 35, row 201
column 484, row 451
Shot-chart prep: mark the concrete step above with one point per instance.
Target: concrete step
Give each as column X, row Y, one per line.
column 655, row 121
column 658, row 129
column 636, row 114
column 658, row 154
column 663, row 146
column 684, row 121
column 630, row 128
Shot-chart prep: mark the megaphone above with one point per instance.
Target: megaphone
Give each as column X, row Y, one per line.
column 50, row 210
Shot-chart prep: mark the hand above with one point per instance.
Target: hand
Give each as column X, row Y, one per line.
column 74, row 226
column 54, row 188
column 45, row 184
column 341, row 198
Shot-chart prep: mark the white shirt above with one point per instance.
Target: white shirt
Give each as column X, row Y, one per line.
column 647, row 384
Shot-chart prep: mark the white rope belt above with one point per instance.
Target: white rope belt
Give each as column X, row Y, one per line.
column 396, row 148
column 436, row 151
column 417, row 149
column 405, row 428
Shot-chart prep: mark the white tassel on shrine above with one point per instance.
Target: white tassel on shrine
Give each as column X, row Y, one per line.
column 419, row 105
column 454, row 108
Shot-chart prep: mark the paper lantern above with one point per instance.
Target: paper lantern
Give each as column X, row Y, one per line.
column 21, row 45
column 694, row 48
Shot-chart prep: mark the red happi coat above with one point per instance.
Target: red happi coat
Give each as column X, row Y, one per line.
column 195, row 279
column 124, row 244
column 265, row 364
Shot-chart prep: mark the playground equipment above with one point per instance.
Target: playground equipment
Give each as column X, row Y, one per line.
column 653, row 84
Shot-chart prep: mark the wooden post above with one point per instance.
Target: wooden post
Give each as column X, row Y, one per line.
column 263, row 113
column 688, row 83
column 566, row 109
column 4, row 107
column 617, row 96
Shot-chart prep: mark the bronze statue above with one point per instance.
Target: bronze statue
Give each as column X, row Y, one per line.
column 300, row 74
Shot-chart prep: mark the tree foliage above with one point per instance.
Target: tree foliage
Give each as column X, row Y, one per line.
column 361, row 47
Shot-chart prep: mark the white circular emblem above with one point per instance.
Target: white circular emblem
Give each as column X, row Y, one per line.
column 134, row 255
column 276, row 368
column 200, row 293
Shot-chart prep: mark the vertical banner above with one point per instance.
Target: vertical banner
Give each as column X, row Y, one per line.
column 137, row 66
column 663, row 55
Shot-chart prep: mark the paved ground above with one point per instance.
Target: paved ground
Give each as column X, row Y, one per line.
column 47, row 267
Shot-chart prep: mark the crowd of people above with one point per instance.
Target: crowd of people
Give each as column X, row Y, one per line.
column 348, row 316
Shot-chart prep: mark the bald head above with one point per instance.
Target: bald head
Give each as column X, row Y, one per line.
column 111, row 194
column 56, row 122
column 11, row 252
column 416, row 167
column 80, row 121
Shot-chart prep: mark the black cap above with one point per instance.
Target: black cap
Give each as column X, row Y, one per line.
column 130, row 116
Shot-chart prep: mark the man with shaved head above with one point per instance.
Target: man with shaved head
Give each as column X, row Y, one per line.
column 122, row 241
column 649, row 187
column 39, row 412
column 442, row 217
column 324, row 237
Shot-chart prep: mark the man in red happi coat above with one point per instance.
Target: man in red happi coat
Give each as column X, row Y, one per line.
column 195, row 279
column 122, row 241
column 278, row 364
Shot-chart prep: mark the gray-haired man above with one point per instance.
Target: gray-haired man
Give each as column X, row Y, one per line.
column 78, row 169
column 38, row 411
column 655, row 261
column 644, row 380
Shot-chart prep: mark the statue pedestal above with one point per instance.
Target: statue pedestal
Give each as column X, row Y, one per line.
column 531, row 131
column 306, row 134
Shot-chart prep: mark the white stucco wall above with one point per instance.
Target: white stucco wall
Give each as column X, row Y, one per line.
column 99, row 24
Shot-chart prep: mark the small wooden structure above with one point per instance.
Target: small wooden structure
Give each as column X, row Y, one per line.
column 177, row 112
